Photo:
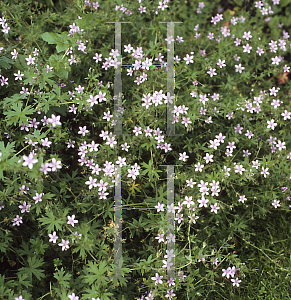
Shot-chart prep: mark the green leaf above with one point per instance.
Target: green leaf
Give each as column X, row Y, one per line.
column 52, row 221
column 5, row 239
column 238, row 2
column 37, row 136
column 95, row 273
column 61, row 66
column 4, row 290
column 284, row 3
column 26, row 249
column 38, row 245
column 286, row 20
column 18, row 115
column 104, row 296
column 22, row 281
column 8, row 101
column 49, row 37
column 62, row 40
column 62, row 278
column 6, row 151
column 273, row 24
column 87, row 21
column 48, row 196
column 79, row 4
column 6, row 62
column 148, row 168
column 45, row 78
column 33, row 268
column 134, row 187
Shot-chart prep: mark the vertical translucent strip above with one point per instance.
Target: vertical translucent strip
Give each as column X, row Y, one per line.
column 118, row 83
column 118, row 132
column 170, row 79
column 118, row 225
column 170, row 217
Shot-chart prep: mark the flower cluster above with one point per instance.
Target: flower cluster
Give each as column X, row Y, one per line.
column 4, row 25
column 231, row 272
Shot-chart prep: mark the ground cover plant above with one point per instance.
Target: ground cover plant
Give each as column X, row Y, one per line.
column 59, row 153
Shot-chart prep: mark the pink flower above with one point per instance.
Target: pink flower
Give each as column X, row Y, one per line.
column 158, row 279
column 214, row 208
column 170, row 293
column 159, row 207
column 30, row 60
column 226, row 272
column 203, row 202
column 29, row 161
column 17, row 221
column 183, row 156
column 73, row 297
column 55, row 120
column 189, row 59
column 276, row 203
column 45, row 168
column 24, row 207
column 72, row 220
column 188, row 201
column 64, row 244
column 55, row 164
column 83, row 130
column 239, row 68
column 53, row 237
column 235, row 281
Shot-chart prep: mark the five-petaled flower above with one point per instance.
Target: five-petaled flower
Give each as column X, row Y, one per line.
column 235, row 281
column 276, row 203
column 91, row 182
column 29, row 160
column 239, row 68
column 30, row 60
column 83, row 130
column 53, row 237
column 73, row 297
column 54, row 120
column 18, row 75
column 221, row 63
column 183, row 156
column 64, row 244
column 72, row 220
column 158, row 279
column 189, row 59
column 55, row 164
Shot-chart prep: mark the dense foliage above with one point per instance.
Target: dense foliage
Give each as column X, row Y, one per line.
column 58, row 150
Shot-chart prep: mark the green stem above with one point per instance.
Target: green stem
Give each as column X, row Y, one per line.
column 44, row 296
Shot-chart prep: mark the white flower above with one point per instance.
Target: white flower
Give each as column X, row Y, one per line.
column 276, row 203
column 91, row 182
column 73, row 297
column 54, row 120
column 159, row 207
column 158, row 279
column 188, row 201
column 29, row 161
column 239, row 68
column 183, row 156
column 53, row 237
column 55, row 164
column 72, row 220
column 64, row 244
column 189, row 59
